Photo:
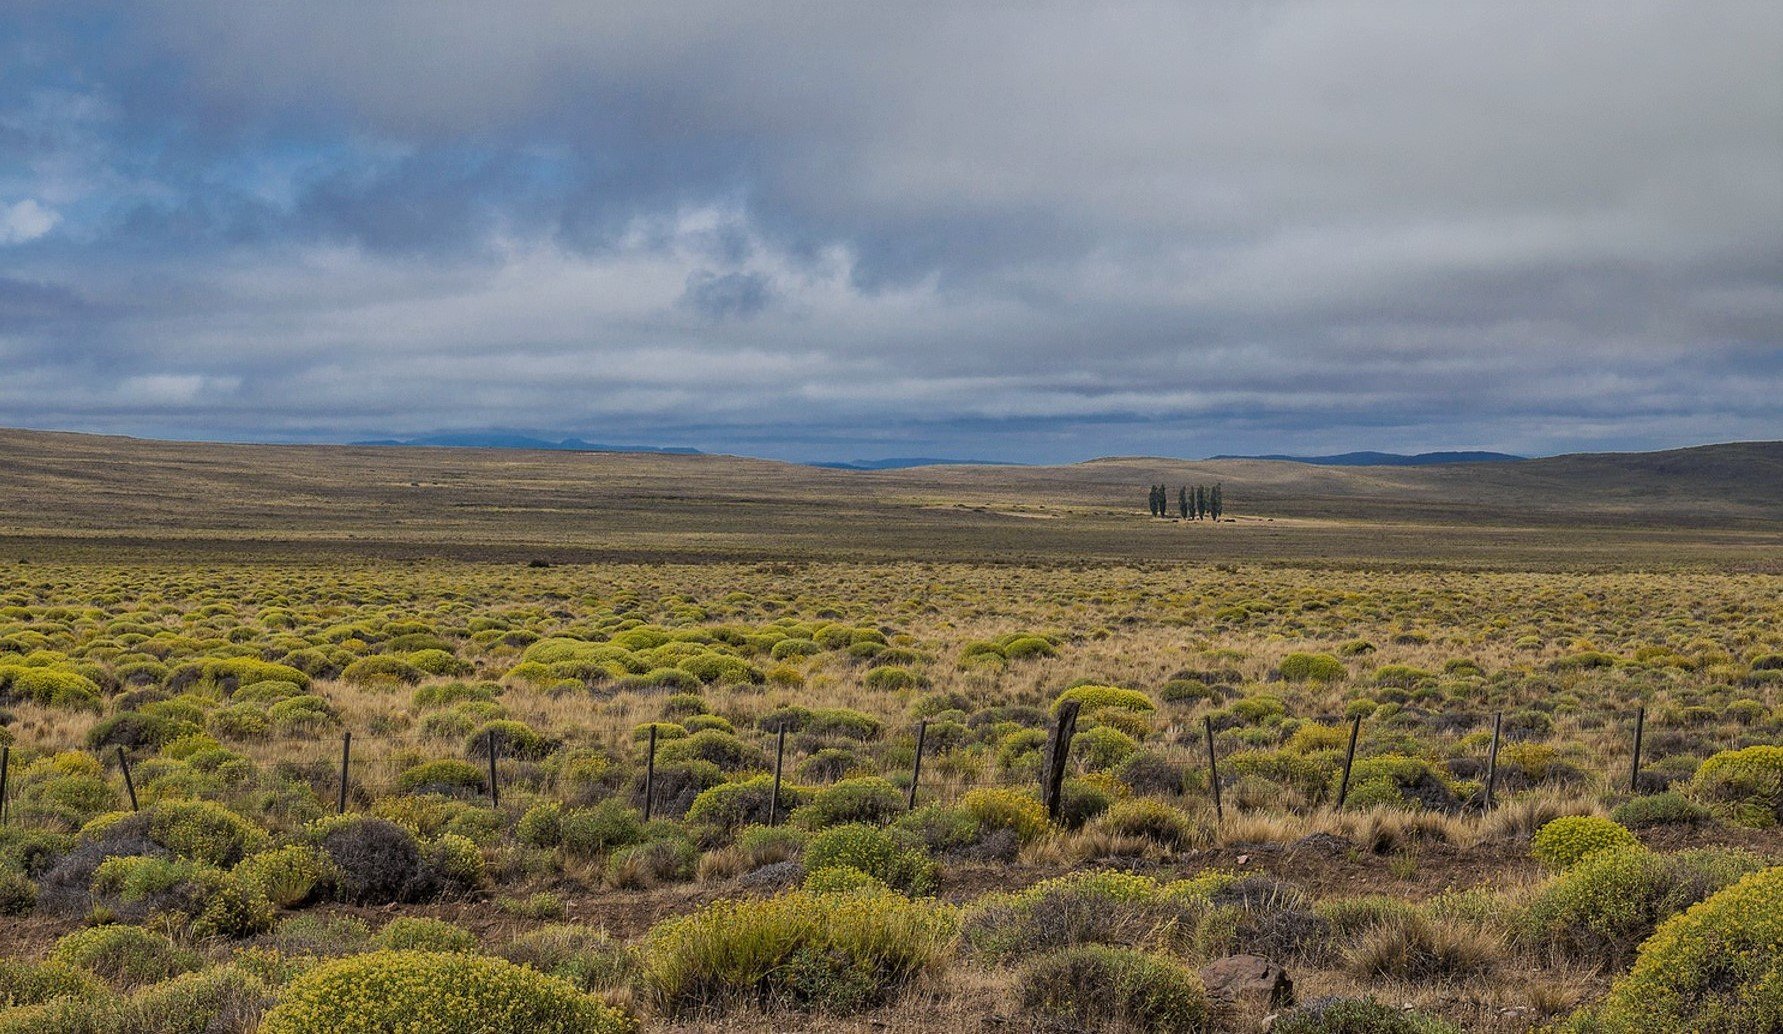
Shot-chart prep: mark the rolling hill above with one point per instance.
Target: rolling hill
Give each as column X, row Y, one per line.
column 1716, row 501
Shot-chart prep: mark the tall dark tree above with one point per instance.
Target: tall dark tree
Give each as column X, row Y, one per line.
column 1153, row 503
column 1182, row 502
column 1200, row 502
column 1217, row 503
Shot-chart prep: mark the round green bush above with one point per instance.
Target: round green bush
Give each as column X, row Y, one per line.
column 890, row 678
column 1099, row 986
column 1311, row 667
column 25, row 983
column 204, row 831
column 837, row 953
column 997, row 808
column 867, row 799
column 125, row 956
column 1715, row 969
column 841, row 879
column 423, row 933
column 1568, row 840
column 1091, row 697
column 387, row 991
column 444, row 775
column 1604, row 906
column 289, row 876
column 895, row 857
column 1745, row 786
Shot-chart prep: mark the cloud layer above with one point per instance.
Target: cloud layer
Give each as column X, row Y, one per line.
column 815, row 230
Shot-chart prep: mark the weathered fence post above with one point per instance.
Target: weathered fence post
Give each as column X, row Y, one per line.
column 650, row 774
column 1058, row 751
column 1213, row 769
column 5, row 766
column 346, row 759
column 779, row 759
column 494, row 784
column 1349, row 758
column 1634, row 769
column 1492, row 758
column 129, row 784
column 922, row 733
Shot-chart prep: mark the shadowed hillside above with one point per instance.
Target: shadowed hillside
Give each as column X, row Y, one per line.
column 1714, row 503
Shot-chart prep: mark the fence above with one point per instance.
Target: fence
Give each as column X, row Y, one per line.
column 1053, row 769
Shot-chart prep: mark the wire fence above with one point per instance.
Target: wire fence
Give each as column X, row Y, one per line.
column 1055, row 764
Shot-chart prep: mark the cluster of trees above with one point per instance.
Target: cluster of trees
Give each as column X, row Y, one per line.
column 1195, row 503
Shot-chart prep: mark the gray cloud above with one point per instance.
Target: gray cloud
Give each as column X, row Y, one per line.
column 1036, row 232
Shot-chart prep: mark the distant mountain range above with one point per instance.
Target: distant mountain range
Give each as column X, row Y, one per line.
column 514, row 440
column 906, row 462
column 1388, row 459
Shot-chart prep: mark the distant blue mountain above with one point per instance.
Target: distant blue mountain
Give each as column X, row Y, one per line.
column 515, row 440
column 904, row 462
column 1388, row 459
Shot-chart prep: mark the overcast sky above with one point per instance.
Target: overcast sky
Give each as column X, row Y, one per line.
column 1022, row 231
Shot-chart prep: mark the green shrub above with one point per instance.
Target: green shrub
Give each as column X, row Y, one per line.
column 842, row 879
column 1565, row 841
column 586, row 832
column 1604, row 906
column 1716, row 969
column 421, row 933
column 996, row 808
column 1153, row 820
column 1311, row 667
column 713, row 746
column 583, row 955
column 1744, row 786
column 867, row 799
column 838, row 953
column 382, row 671
column 17, row 893
column 289, row 876
column 894, row 857
column 890, row 678
column 125, row 956
column 1093, row 697
column 24, row 983
column 437, row 991
column 1102, row 748
column 1086, row 907
column 1670, row 808
column 444, row 775
column 730, row 806
column 203, row 831
column 1103, row 987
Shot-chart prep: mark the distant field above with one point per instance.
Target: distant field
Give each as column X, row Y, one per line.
column 88, row 495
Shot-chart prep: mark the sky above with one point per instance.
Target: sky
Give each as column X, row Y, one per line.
column 1039, row 231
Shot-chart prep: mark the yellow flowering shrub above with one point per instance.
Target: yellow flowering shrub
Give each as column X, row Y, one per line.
column 996, row 808
column 1715, row 969
column 1568, row 840
column 1092, row 698
column 409, row 992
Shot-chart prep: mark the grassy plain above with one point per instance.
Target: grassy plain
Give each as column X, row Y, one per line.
column 225, row 613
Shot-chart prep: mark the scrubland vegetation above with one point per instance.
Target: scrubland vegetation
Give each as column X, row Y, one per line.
column 235, row 898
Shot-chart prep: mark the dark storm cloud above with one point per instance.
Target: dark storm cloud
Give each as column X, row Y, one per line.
column 1042, row 231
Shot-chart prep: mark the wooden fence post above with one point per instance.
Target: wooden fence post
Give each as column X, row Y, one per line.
column 129, row 784
column 1349, row 758
column 1492, row 758
column 922, row 733
column 494, row 784
column 1634, row 770
column 5, row 767
column 346, row 758
column 1213, row 769
column 779, row 759
column 1058, row 751
column 650, row 774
